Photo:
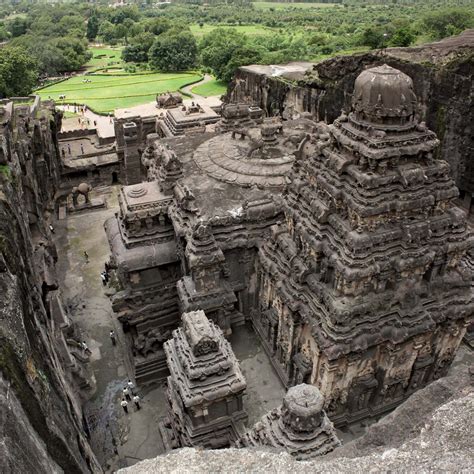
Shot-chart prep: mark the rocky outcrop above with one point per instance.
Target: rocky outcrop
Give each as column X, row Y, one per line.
column 442, row 75
column 439, row 440
column 41, row 424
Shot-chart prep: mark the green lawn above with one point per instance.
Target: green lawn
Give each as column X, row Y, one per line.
column 107, row 93
column 283, row 5
column 249, row 30
column 210, row 89
column 103, row 57
column 67, row 114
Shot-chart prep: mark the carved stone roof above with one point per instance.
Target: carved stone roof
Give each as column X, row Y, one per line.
column 384, row 92
column 202, row 364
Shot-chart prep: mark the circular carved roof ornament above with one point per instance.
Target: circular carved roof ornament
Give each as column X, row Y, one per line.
column 384, row 95
column 137, row 192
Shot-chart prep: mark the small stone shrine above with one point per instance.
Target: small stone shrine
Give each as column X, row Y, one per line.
column 299, row 426
column 205, row 388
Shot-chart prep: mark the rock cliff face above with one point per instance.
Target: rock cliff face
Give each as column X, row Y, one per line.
column 41, row 427
column 442, row 74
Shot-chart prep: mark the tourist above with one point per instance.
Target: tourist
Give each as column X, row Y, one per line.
column 63, row 152
column 106, row 267
column 82, row 149
column 112, row 337
column 69, row 148
column 51, row 228
column 124, row 405
column 86, row 256
column 130, row 386
column 126, row 393
column 104, row 278
column 136, row 400
column 95, row 123
column 85, row 348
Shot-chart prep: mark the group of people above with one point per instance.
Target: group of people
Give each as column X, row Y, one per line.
column 129, row 395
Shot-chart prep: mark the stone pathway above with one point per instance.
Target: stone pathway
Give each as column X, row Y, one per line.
column 104, row 127
column 188, row 89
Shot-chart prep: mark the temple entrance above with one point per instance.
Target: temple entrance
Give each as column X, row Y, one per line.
column 114, row 177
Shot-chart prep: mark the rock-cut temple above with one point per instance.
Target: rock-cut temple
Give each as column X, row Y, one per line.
column 340, row 243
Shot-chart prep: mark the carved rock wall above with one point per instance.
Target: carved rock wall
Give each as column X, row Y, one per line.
column 41, row 423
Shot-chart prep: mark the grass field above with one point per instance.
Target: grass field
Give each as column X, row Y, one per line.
column 210, row 89
column 249, row 30
column 108, row 57
column 107, row 93
column 283, row 6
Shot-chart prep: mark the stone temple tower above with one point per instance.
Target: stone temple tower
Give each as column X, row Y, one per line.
column 205, row 386
column 299, row 426
column 364, row 290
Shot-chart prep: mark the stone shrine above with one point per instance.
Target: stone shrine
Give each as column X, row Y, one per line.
column 342, row 244
column 205, row 386
column 364, row 289
column 299, row 426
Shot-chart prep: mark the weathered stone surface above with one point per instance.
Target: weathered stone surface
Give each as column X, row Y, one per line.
column 442, row 74
column 430, row 432
column 205, row 386
column 41, row 373
column 299, row 426
column 365, row 289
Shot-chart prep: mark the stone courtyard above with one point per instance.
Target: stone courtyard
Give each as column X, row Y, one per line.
column 135, row 436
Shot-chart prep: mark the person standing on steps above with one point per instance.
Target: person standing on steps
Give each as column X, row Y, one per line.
column 124, row 405
column 136, row 400
column 126, row 393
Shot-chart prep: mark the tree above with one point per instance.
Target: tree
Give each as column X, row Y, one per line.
column 107, row 32
column 92, row 27
column 174, row 51
column 402, row 37
column 157, row 26
column 447, row 22
column 18, row 26
column 218, row 49
column 18, row 72
column 373, row 38
column 137, row 50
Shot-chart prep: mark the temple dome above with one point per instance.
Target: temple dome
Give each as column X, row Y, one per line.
column 384, row 95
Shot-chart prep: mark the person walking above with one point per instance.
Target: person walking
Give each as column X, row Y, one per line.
column 130, row 386
column 136, row 400
column 51, row 228
column 69, row 148
column 82, row 149
column 112, row 337
column 85, row 348
column 126, row 393
column 104, row 278
column 86, row 256
column 124, row 405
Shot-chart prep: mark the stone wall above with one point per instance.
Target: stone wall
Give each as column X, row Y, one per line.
column 442, row 74
column 41, row 416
